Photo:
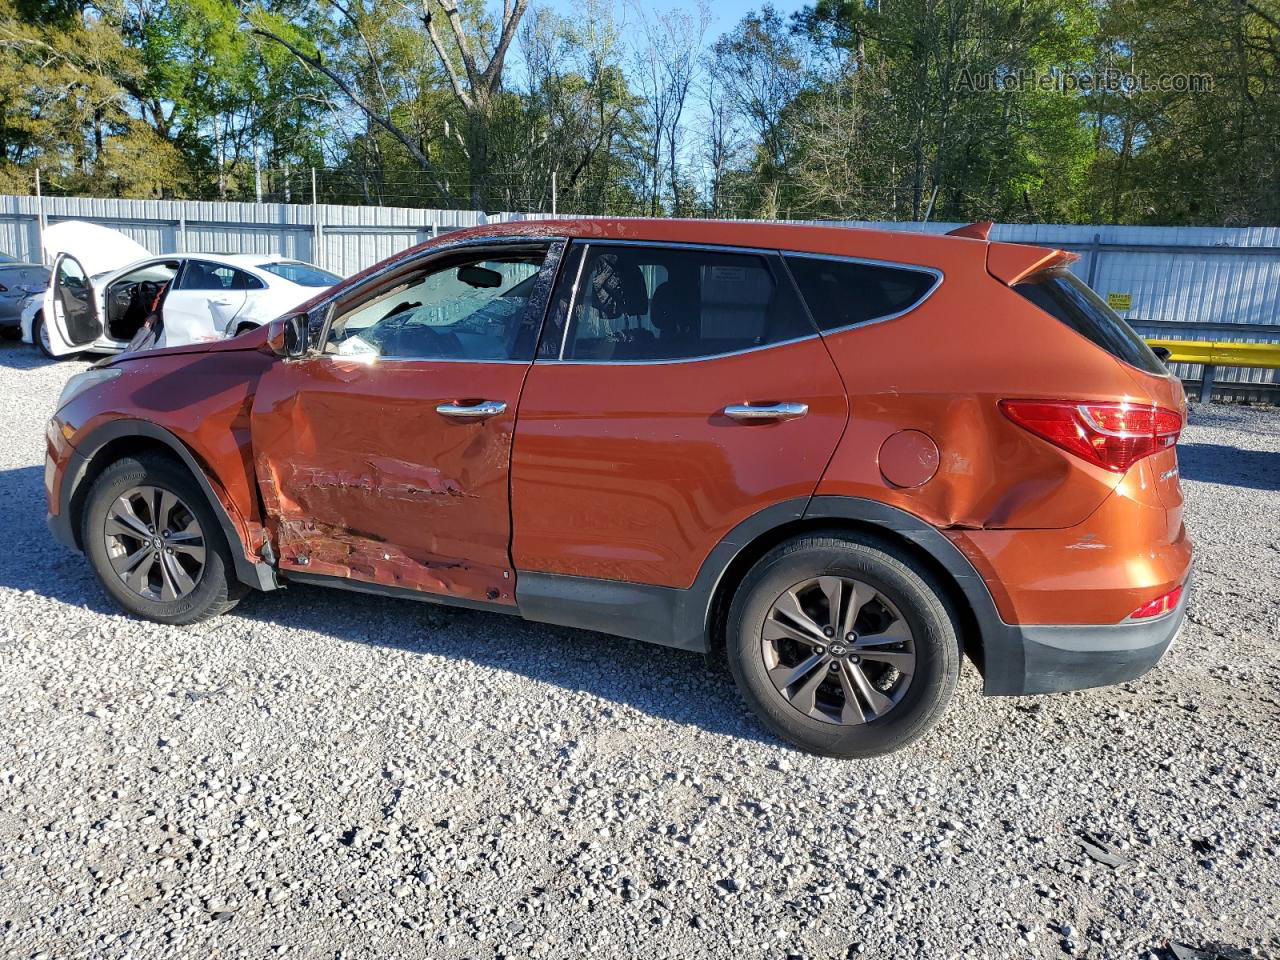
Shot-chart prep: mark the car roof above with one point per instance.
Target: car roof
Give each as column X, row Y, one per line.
column 897, row 246
column 235, row 259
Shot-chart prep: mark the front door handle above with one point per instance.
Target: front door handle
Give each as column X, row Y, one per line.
column 472, row 411
column 772, row 412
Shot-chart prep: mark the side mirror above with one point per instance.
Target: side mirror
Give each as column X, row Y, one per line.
column 287, row 335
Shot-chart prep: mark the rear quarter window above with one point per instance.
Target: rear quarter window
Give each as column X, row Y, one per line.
column 843, row 293
column 1068, row 299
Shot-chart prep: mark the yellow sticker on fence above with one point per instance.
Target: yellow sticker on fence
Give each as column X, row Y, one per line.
column 1120, row 302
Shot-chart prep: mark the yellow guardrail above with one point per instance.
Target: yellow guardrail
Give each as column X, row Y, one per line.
column 1262, row 355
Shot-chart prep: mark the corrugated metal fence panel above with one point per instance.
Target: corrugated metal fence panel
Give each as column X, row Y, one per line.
column 18, row 237
column 366, row 246
column 288, row 241
column 1186, row 274
column 356, row 237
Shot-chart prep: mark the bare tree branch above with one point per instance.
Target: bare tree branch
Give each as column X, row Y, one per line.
column 367, row 108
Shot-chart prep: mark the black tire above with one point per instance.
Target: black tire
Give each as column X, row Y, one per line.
column 216, row 588
column 38, row 338
column 895, row 577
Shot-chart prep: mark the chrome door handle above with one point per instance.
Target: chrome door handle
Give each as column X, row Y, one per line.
column 776, row 411
column 472, row 411
column 219, row 303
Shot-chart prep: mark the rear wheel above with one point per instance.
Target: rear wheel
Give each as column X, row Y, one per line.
column 155, row 545
column 843, row 645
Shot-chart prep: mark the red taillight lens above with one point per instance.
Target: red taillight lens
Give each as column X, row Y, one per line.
column 1109, row 435
column 1159, row 606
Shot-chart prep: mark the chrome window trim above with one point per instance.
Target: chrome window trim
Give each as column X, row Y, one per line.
column 938, row 277
column 379, row 361
column 712, row 356
column 555, row 248
column 671, row 245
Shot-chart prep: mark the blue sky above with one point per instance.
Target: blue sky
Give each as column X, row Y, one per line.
column 724, row 13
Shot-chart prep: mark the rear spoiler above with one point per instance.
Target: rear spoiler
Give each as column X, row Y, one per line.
column 1013, row 262
column 979, row 230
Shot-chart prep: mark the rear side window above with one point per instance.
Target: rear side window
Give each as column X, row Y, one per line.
column 303, row 274
column 842, row 293
column 201, row 275
column 1062, row 295
column 670, row 303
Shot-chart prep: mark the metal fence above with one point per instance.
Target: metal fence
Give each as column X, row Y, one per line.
column 1222, row 282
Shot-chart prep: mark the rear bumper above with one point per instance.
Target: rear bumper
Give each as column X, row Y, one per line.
column 1053, row 659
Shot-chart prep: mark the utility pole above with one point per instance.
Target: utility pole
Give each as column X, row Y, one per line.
column 40, row 223
column 257, row 173
column 317, row 235
column 553, row 193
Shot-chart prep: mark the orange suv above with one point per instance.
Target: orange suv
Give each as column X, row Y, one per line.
column 838, row 458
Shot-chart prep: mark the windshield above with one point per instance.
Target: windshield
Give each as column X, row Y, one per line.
column 303, row 274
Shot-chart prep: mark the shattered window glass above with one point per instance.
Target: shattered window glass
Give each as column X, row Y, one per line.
column 469, row 311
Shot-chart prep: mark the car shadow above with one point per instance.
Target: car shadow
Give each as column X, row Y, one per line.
column 1232, row 466
column 25, row 356
column 673, row 684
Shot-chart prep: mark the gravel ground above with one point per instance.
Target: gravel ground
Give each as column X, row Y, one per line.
column 327, row 774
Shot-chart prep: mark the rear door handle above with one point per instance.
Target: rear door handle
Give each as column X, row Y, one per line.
column 472, row 411
column 775, row 411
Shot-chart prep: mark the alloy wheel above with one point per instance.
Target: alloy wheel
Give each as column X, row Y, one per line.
column 838, row 650
column 154, row 543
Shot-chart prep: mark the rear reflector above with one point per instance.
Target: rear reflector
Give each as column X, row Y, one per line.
column 1159, row 606
column 1110, row 435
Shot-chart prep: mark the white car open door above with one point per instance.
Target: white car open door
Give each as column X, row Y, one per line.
column 73, row 309
column 72, row 318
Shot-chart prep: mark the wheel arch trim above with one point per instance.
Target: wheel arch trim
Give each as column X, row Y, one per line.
column 685, row 618
column 254, row 573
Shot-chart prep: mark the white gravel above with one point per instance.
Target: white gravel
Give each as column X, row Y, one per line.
column 327, row 774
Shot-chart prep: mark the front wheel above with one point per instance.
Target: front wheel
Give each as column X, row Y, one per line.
column 843, row 645
column 40, row 337
column 155, row 544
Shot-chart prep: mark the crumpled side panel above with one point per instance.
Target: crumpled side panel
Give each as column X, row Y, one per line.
column 361, row 478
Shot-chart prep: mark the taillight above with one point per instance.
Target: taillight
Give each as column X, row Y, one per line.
column 1159, row 606
column 1109, row 435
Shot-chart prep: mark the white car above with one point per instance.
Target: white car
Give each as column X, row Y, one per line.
column 106, row 288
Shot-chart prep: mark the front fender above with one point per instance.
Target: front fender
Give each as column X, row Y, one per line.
column 87, row 461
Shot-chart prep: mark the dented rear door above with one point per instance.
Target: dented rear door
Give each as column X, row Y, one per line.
column 385, row 459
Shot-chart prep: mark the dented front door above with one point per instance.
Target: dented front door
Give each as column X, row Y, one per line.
column 383, row 464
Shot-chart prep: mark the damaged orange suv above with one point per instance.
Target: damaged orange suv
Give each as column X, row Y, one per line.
column 840, row 459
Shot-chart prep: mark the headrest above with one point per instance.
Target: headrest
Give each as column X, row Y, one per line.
column 617, row 288
column 676, row 307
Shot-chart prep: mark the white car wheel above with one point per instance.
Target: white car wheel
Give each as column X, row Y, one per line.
column 40, row 335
